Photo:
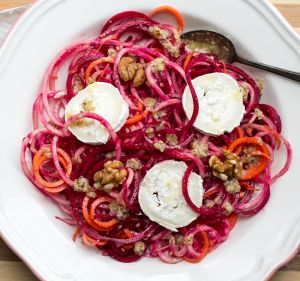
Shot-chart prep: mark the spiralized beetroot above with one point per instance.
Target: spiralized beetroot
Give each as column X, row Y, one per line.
column 63, row 168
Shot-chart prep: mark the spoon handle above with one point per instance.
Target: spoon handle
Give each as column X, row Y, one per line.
column 276, row 70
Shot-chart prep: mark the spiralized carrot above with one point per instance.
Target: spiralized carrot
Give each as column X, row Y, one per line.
column 187, row 60
column 102, row 224
column 44, row 154
column 172, row 11
column 257, row 169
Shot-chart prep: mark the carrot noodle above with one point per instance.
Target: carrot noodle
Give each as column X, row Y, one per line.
column 107, row 216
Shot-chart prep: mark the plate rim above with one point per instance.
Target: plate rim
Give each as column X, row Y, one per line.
column 29, row 17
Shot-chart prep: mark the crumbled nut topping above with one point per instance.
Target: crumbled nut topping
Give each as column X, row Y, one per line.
column 150, row 132
column 81, row 185
column 209, row 203
column 260, row 83
column 77, row 84
column 160, row 145
column 110, row 176
column 259, row 113
column 150, row 102
column 118, row 210
column 171, row 49
column 161, row 125
column 188, row 240
column 158, row 65
column 199, row 149
column 228, row 208
column 179, row 239
column 139, row 247
column 47, row 152
column 171, row 139
column 157, row 32
column 81, row 123
column 232, row 167
column 88, row 106
column 111, row 52
column 134, row 163
column 129, row 69
column 157, row 115
column 232, row 185
column 245, row 92
column 248, row 158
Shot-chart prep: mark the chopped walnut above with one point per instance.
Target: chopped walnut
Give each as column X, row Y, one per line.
column 179, row 239
column 118, row 210
column 230, row 168
column 158, row 65
column 157, row 32
column 134, row 163
column 245, row 92
column 260, row 83
column 47, row 152
column 139, row 77
column 173, row 50
column 248, row 158
column 209, row 203
column 149, row 131
column 77, row 84
column 199, row 149
column 188, row 240
column 111, row 52
column 228, row 208
column 88, row 106
column 171, row 139
column 129, row 69
column 160, row 145
column 81, row 185
column 110, row 176
column 161, row 126
column 139, row 247
column 259, row 113
column 157, row 115
column 81, row 123
column 150, row 102
column 91, row 194
column 232, row 185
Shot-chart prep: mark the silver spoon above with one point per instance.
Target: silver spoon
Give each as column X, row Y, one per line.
column 212, row 42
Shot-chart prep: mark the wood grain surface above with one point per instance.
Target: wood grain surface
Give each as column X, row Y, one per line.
column 13, row 269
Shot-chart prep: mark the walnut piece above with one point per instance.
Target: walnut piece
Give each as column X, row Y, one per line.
column 81, row 185
column 157, row 32
column 232, row 185
column 110, row 176
column 129, row 69
column 150, row 102
column 259, row 113
column 199, row 149
column 139, row 248
column 88, row 106
column 232, row 167
column 158, row 65
column 118, row 210
column 134, row 163
column 228, row 208
column 171, row 139
column 160, row 145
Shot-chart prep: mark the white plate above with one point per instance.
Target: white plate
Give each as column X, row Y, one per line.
column 254, row 249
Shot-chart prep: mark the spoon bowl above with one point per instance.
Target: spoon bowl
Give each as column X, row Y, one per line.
column 206, row 41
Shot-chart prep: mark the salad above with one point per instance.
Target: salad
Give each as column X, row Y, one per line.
column 150, row 149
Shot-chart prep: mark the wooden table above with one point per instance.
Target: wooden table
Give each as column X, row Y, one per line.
column 12, row 269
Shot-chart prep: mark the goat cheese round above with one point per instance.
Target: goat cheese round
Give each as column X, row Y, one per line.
column 221, row 107
column 100, row 98
column 160, row 195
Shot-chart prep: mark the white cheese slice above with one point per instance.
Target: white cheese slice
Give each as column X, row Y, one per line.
column 221, row 107
column 100, row 98
column 160, row 195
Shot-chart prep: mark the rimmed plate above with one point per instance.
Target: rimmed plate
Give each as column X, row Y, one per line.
column 255, row 248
